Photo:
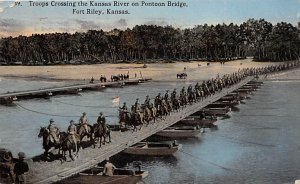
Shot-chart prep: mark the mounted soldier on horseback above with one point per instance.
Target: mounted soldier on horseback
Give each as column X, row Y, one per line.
column 169, row 102
column 53, row 133
column 175, row 101
column 124, row 117
column 136, row 115
column 191, row 95
column 72, row 132
column 149, row 111
column 182, row 97
column 101, row 130
column 51, row 137
column 70, row 140
column 85, row 129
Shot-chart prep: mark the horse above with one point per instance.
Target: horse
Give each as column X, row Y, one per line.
column 67, row 144
column 169, row 105
column 181, row 75
column 149, row 114
column 153, row 112
column 137, row 120
column 191, row 97
column 115, row 78
column 183, row 100
column 176, row 104
column 162, row 111
column 124, row 118
column 132, row 119
column 48, row 143
column 101, row 131
column 82, row 132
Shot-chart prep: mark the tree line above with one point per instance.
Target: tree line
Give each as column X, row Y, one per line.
column 150, row 43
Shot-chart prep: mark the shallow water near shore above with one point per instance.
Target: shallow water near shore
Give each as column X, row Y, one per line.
column 258, row 144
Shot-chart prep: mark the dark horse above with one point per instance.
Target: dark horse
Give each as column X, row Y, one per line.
column 48, row 143
column 132, row 119
column 67, row 144
column 101, row 131
column 115, row 78
column 181, row 75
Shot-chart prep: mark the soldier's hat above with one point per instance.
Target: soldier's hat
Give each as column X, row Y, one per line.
column 84, row 113
column 7, row 157
column 158, row 93
column 137, row 99
column 51, row 120
column 72, row 121
column 167, row 90
column 101, row 113
column 21, row 155
column 124, row 103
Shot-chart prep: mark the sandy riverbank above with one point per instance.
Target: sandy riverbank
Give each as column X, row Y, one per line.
column 293, row 74
column 157, row 71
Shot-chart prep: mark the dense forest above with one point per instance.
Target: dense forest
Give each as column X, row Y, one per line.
column 149, row 43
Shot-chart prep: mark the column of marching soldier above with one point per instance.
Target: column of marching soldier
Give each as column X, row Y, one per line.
column 163, row 105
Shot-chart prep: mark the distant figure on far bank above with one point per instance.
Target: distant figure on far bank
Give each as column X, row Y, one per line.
column 92, row 80
column 21, row 169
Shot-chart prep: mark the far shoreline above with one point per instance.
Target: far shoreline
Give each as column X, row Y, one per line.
column 156, row 71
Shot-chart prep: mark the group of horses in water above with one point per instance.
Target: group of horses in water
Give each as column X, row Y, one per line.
column 148, row 112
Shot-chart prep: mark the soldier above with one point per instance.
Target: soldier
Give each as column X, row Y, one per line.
column 183, row 91
column 92, row 80
column 197, row 86
column 21, row 169
column 53, row 132
column 7, row 165
column 72, row 131
column 124, row 108
column 101, row 119
column 158, row 96
column 83, row 121
column 173, row 95
column 147, row 101
column 190, row 88
column 164, row 105
column 108, row 168
column 156, row 102
column 167, row 95
column 137, row 105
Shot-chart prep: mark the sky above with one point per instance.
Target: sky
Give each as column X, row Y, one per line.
column 26, row 19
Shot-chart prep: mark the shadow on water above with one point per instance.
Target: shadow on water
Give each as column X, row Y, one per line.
column 235, row 109
column 122, row 159
column 226, row 116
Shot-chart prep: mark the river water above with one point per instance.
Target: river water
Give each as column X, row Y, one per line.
column 258, row 144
